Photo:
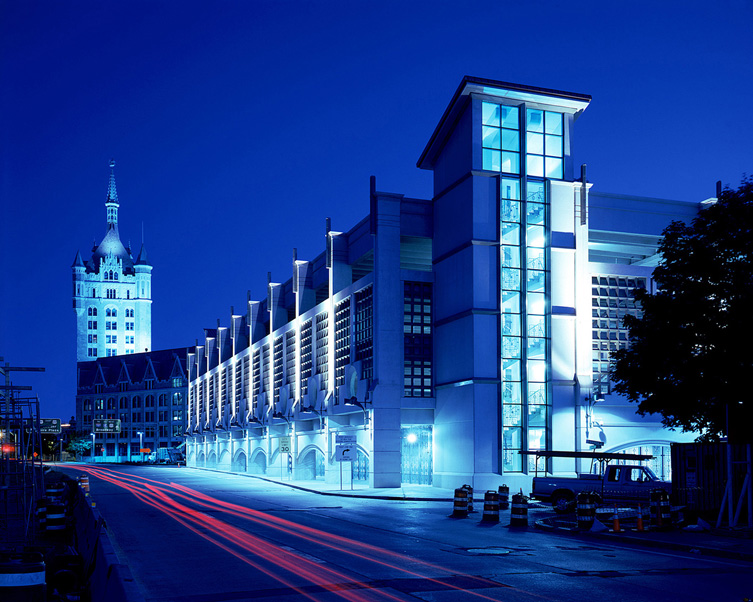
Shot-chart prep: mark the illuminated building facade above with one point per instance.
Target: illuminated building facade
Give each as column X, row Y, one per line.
column 145, row 391
column 445, row 335
column 112, row 293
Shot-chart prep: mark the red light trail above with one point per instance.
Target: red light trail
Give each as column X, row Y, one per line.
column 271, row 558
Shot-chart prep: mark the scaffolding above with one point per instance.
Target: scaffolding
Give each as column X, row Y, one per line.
column 21, row 472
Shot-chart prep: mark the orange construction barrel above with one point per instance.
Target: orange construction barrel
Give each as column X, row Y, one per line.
column 460, row 506
column 504, row 497
column 519, row 511
column 585, row 510
column 491, row 507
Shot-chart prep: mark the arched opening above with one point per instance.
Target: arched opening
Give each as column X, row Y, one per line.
column 201, row 460
column 660, row 464
column 239, row 463
column 258, row 463
column 310, row 466
column 212, row 460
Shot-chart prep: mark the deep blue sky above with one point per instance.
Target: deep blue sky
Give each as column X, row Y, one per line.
column 238, row 127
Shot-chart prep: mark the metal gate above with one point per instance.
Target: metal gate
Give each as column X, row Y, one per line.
column 417, row 465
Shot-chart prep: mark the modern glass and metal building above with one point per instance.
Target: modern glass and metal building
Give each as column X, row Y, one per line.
column 444, row 336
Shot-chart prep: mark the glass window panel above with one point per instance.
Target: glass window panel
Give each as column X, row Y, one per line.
column 535, row 213
column 536, row 349
column 511, row 437
column 510, row 257
column 510, row 189
column 511, row 347
column 510, row 302
column 534, row 165
column 490, row 137
column 513, row 461
column 535, row 120
column 511, row 279
column 510, row 369
column 489, row 114
column 535, row 259
column 510, row 140
column 536, row 393
column 535, row 236
column 509, row 117
column 511, row 392
column 510, row 233
column 535, row 192
column 492, row 159
column 537, row 371
column 535, row 143
column 535, row 281
column 510, row 210
column 553, row 123
column 511, row 324
column 510, row 162
column 537, row 438
column 536, row 304
column 553, row 146
column 512, row 415
column 536, row 326
column 536, row 416
column 554, row 168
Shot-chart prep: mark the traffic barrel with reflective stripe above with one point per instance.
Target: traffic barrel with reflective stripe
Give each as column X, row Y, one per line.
column 54, row 492
column 469, row 489
column 83, row 482
column 585, row 510
column 55, row 517
column 22, row 578
column 42, row 513
column 491, row 507
column 460, row 506
column 665, row 510
column 657, row 500
column 519, row 511
column 504, row 497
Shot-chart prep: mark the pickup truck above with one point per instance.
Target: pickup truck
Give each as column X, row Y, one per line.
column 618, row 484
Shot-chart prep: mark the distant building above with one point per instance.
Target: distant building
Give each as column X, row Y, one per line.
column 112, row 294
column 145, row 391
column 444, row 336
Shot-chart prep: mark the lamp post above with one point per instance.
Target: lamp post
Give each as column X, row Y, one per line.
column 94, row 442
column 141, row 445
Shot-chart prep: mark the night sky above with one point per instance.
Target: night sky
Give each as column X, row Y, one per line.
column 238, row 127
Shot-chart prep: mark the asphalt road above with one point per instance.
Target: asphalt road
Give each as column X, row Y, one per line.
column 198, row 536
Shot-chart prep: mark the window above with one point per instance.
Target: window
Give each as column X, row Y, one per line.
column 417, row 340
column 364, row 332
column 92, row 338
column 500, row 138
column 163, row 416
column 112, row 352
column 129, row 339
column 544, row 144
column 136, row 402
column 149, row 402
column 148, row 416
column 92, row 311
column 611, row 300
column 177, row 415
column 87, row 405
column 163, row 400
column 92, row 352
column 129, row 325
column 129, row 312
column 99, row 404
column 92, row 325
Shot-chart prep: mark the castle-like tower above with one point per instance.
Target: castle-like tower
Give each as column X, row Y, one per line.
column 112, row 293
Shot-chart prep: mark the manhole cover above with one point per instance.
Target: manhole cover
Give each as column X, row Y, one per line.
column 490, row 551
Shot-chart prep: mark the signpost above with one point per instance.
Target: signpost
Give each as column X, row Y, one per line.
column 345, row 451
column 285, row 448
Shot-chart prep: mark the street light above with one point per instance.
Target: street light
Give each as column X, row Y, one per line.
column 94, row 441
column 141, row 444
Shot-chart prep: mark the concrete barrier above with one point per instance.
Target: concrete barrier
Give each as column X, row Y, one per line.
column 108, row 579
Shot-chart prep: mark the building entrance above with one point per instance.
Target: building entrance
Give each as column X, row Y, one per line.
column 417, row 452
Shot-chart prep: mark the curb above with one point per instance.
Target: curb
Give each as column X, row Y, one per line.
column 649, row 543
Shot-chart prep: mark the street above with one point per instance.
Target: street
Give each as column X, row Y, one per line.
column 199, row 536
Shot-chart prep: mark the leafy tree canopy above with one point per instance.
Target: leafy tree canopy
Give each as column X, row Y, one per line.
column 690, row 357
column 79, row 442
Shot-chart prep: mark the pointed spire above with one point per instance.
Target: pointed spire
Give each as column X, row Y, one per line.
column 112, row 200
column 78, row 262
column 142, row 259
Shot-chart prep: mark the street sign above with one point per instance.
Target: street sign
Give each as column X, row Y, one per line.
column 285, row 445
column 345, row 453
column 106, row 425
column 345, row 439
column 49, row 426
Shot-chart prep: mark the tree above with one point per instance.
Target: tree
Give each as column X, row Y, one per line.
column 79, row 443
column 690, row 354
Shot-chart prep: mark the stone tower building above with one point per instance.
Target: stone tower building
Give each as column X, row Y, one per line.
column 112, row 293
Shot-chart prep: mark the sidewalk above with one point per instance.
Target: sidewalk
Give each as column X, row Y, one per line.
column 723, row 543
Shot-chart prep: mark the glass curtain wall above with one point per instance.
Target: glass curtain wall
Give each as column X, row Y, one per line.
column 508, row 132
